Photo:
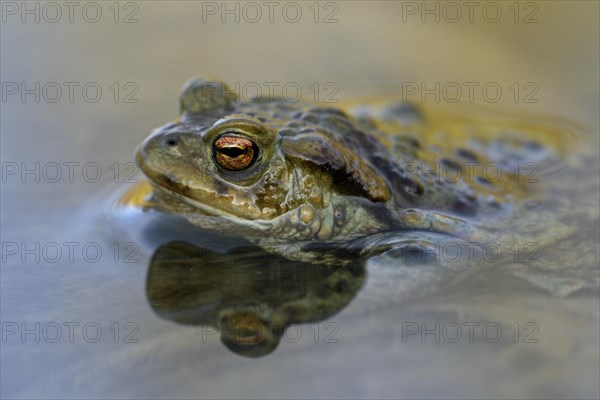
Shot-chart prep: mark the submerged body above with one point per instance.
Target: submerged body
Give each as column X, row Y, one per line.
column 325, row 184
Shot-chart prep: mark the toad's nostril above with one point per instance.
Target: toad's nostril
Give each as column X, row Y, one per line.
column 172, row 142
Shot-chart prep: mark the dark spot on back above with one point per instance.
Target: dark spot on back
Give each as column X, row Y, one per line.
column 285, row 106
column 310, row 118
column 494, row 203
column 337, row 122
column 327, row 111
column 467, row 154
column 464, row 207
column 411, row 141
column 411, row 186
column 361, row 140
column 293, row 124
column 451, row 170
column 484, row 181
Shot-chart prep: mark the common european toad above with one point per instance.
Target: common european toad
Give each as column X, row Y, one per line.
column 324, row 184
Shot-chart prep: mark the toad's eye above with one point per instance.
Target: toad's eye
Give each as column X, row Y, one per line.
column 233, row 152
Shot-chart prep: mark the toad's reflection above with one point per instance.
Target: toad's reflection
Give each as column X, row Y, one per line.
column 249, row 295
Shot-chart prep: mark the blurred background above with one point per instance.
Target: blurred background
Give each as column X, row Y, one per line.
column 87, row 84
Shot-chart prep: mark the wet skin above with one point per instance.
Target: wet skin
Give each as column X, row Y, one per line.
column 320, row 184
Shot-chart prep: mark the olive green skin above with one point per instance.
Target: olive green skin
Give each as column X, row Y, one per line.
column 325, row 185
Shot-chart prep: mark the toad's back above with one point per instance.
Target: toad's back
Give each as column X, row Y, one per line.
column 281, row 173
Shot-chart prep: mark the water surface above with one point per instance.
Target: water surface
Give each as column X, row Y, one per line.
column 386, row 339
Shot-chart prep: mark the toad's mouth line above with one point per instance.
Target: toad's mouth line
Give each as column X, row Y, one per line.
column 168, row 193
column 175, row 192
column 203, row 204
column 165, row 188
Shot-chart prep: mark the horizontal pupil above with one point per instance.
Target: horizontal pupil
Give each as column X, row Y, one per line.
column 232, row 152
